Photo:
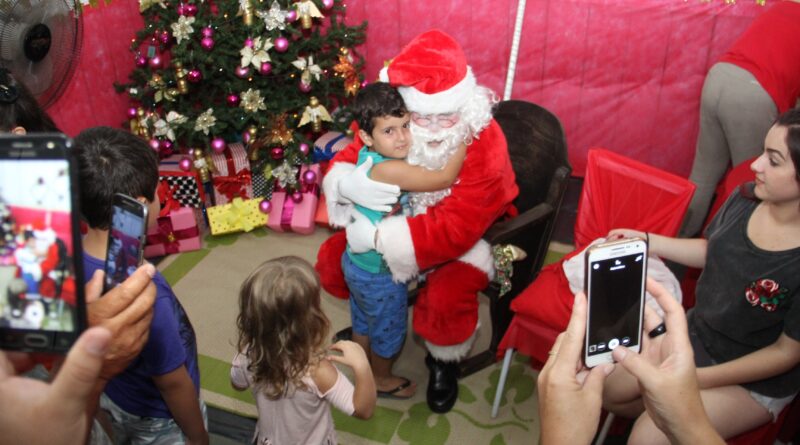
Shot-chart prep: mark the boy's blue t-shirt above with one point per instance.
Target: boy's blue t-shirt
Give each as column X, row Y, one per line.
column 171, row 344
column 371, row 260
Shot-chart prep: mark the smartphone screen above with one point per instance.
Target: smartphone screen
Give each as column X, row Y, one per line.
column 125, row 240
column 41, row 287
column 615, row 288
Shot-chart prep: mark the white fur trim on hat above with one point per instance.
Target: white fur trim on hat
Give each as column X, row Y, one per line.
column 453, row 353
column 397, row 247
column 480, row 256
column 447, row 101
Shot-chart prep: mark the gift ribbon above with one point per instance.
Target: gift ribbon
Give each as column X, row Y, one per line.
column 239, row 215
column 287, row 211
column 234, row 184
column 169, row 237
column 166, row 196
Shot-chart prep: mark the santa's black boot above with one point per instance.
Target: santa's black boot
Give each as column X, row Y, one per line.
column 442, row 384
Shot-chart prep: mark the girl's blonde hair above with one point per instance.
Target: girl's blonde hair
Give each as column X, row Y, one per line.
column 281, row 325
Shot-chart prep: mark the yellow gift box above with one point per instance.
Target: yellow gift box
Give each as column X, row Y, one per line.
column 237, row 215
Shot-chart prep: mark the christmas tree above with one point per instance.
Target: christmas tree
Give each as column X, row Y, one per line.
column 266, row 72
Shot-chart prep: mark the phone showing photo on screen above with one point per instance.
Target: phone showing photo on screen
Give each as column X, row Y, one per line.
column 42, row 305
column 615, row 289
column 126, row 238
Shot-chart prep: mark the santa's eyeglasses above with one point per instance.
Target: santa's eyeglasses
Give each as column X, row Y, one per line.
column 442, row 120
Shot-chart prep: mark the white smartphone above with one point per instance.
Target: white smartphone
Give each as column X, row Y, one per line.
column 125, row 240
column 615, row 288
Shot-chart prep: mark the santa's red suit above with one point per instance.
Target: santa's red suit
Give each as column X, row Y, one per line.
column 445, row 241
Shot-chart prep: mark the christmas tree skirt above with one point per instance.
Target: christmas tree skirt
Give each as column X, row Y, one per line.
column 207, row 282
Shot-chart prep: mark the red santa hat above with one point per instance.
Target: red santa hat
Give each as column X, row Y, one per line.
column 431, row 73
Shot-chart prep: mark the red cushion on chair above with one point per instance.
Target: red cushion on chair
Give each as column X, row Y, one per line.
column 548, row 299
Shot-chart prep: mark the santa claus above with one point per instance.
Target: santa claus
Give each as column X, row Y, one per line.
column 443, row 237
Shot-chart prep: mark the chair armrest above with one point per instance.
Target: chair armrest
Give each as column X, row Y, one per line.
column 504, row 230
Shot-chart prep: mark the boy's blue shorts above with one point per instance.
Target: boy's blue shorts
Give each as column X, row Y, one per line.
column 378, row 308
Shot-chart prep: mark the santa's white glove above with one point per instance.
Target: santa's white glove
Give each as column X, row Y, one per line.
column 357, row 188
column 360, row 234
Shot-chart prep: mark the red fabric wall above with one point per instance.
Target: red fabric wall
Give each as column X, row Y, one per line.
column 622, row 74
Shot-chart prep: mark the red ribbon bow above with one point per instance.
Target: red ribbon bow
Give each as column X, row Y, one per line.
column 169, row 237
column 233, row 186
column 166, row 196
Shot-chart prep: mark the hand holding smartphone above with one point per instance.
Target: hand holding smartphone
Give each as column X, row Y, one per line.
column 615, row 288
column 126, row 238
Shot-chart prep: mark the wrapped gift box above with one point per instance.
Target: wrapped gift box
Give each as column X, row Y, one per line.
column 176, row 232
column 186, row 187
column 327, row 145
column 232, row 178
column 262, row 185
column 321, row 217
column 290, row 215
column 238, row 215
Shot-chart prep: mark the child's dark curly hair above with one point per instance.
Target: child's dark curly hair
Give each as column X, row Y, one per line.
column 376, row 100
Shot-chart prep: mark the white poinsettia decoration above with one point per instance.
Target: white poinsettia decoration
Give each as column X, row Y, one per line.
column 166, row 127
column 183, row 28
column 308, row 7
column 257, row 54
column 274, row 18
column 285, row 174
column 308, row 67
column 252, row 101
column 205, row 121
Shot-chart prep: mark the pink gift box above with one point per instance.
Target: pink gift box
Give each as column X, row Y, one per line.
column 288, row 215
column 174, row 233
column 232, row 178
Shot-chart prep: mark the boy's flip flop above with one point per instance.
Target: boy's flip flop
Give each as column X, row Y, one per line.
column 393, row 393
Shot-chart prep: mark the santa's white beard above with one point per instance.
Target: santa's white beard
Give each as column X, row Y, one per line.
column 433, row 158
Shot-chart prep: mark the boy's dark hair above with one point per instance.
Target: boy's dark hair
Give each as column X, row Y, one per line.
column 112, row 161
column 18, row 107
column 375, row 100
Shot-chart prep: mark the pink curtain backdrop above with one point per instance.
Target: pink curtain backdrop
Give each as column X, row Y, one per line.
column 622, row 74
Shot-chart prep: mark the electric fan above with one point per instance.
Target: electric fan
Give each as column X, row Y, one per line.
column 39, row 43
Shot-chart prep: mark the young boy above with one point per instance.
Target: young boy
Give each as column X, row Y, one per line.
column 378, row 304
column 155, row 400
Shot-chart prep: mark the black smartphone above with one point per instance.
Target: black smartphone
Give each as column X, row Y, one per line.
column 615, row 288
column 126, row 238
column 42, row 305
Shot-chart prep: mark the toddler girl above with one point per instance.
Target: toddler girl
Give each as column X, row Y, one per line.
column 282, row 332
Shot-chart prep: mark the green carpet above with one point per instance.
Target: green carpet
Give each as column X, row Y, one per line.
column 207, row 282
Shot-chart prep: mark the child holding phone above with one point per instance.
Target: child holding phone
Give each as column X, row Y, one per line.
column 155, row 400
column 745, row 328
column 282, row 357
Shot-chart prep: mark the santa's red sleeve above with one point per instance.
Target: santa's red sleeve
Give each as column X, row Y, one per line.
column 484, row 190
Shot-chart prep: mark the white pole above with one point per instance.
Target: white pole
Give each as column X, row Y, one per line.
column 512, row 58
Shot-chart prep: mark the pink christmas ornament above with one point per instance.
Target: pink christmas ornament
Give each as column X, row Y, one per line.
column 281, row 44
column 155, row 144
column 242, row 71
column 291, row 16
column 364, row 83
column 327, row 4
column 276, row 153
column 304, row 148
column 207, row 31
column 207, row 43
column 297, row 197
column 248, row 42
column 141, row 61
column 309, row 177
column 265, row 206
column 233, row 100
column 218, row 145
column 181, row 9
column 191, row 9
column 155, row 62
column 185, row 164
column 166, row 145
column 194, row 76
column 131, row 112
column 265, row 68
column 304, row 87
column 164, row 37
